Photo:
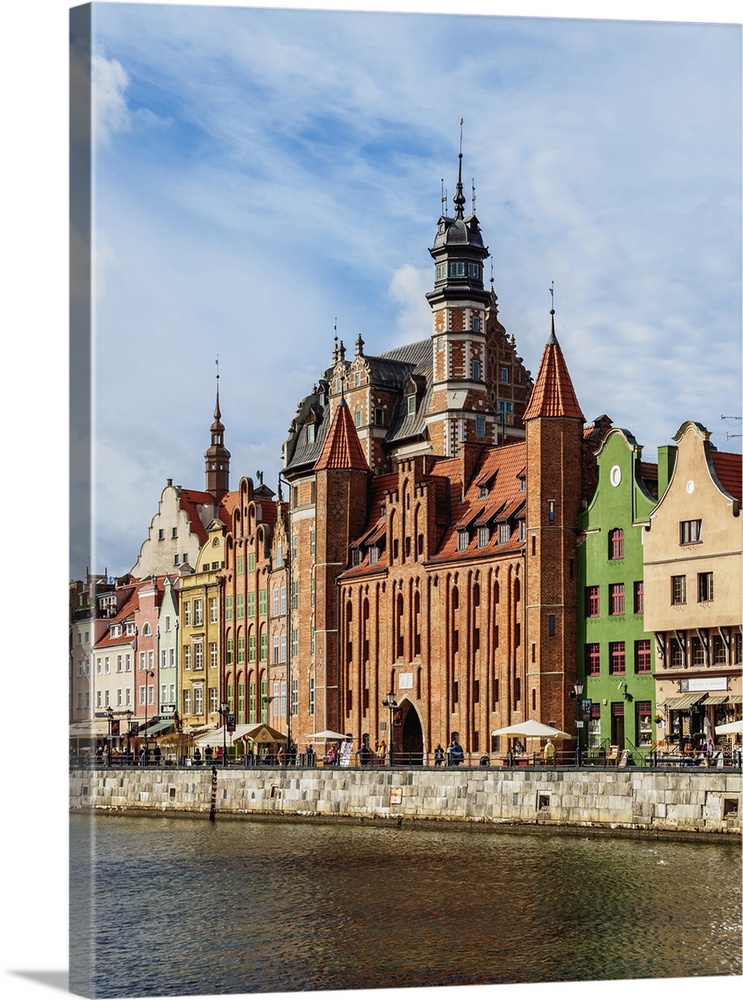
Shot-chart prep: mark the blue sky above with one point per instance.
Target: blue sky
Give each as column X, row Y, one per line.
column 262, row 176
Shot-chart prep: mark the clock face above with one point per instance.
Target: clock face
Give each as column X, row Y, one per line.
column 615, row 476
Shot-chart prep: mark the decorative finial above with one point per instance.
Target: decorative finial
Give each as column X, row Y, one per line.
column 473, row 195
column 259, row 476
column 459, row 198
column 444, row 198
column 552, row 338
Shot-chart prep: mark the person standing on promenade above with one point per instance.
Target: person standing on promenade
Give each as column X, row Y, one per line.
column 549, row 753
column 346, row 750
column 438, row 755
column 454, row 752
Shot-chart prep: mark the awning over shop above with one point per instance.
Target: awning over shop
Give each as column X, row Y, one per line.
column 159, row 729
column 258, row 733
column 91, row 729
column 716, row 699
column 685, row 701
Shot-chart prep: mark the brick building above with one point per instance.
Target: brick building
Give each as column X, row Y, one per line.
column 435, row 495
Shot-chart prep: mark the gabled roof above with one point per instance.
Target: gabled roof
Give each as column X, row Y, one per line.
column 553, row 394
column 342, row 448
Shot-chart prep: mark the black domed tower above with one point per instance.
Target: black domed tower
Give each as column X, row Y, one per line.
column 459, row 411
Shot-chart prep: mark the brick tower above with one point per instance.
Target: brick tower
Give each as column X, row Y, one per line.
column 341, row 481
column 554, row 446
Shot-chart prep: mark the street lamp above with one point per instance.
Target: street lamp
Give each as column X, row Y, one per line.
column 577, row 693
column 390, row 703
column 110, row 718
column 128, row 715
column 224, row 708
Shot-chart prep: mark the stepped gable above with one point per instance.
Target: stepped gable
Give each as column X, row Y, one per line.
column 127, row 602
column 342, row 448
column 494, row 496
column 553, row 394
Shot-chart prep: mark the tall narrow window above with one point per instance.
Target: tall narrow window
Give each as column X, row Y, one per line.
column 678, row 590
column 592, row 602
column 704, row 581
column 616, row 544
column 616, row 598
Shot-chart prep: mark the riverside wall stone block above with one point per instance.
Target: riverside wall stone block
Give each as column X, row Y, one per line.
column 692, row 801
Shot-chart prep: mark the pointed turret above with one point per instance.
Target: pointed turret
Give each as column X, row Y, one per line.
column 553, row 394
column 342, row 448
column 217, row 457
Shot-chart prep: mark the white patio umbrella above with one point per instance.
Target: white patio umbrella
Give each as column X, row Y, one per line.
column 532, row 728
column 730, row 727
column 326, row 734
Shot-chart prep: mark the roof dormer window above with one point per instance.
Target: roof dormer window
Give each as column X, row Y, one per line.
column 410, row 400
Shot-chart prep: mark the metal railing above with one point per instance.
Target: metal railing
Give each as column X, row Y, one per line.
column 628, row 757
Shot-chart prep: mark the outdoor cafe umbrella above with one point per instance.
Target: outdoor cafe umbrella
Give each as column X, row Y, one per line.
column 532, row 728
column 327, row 734
column 730, row 727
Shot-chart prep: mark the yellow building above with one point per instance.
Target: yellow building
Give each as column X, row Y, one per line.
column 692, row 571
column 200, row 647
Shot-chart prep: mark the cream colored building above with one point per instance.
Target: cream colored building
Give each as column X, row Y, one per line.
column 693, row 593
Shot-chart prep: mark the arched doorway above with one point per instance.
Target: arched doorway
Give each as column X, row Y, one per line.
column 412, row 736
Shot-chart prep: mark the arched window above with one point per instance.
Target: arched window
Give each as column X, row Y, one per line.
column 616, row 544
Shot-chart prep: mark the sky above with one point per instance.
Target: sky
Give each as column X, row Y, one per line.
column 263, row 179
column 609, row 165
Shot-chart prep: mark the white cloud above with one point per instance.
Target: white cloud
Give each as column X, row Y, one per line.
column 110, row 110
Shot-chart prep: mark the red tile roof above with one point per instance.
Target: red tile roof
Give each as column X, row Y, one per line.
column 342, row 448
column 553, row 394
column 728, row 468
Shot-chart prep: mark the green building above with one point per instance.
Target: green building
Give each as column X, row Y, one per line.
column 615, row 653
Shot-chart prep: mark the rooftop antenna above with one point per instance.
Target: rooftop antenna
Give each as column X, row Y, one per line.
column 728, row 434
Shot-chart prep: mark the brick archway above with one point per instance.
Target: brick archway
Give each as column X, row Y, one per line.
column 412, row 735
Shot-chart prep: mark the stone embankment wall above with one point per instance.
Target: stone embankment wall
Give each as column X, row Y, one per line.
column 699, row 801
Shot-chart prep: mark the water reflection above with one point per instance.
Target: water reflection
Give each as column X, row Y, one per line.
column 185, row 906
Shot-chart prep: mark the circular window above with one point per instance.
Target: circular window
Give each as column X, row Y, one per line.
column 690, row 486
column 615, row 476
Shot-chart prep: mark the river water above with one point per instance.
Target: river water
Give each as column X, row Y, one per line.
column 185, row 906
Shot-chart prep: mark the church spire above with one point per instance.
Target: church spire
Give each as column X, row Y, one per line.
column 216, row 455
column 459, row 198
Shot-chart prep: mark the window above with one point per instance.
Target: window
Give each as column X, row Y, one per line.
column 275, row 601
column 186, row 702
column 463, row 539
column 593, row 659
column 592, row 602
column 483, row 537
column 379, row 417
column 642, row 656
column 690, row 532
column 474, row 270
column 198, row 700
column 476, row 324
column 410, row 401
column 357, row 418
column 480, row 427
column 638, row 597
column 198, row 655
column 212, row 609
column 644, row 724
column 704, row 586
column 698, row 657
column 476, row 371
column 251, row 647
column 678, row 590
column 616, row 598
column 616, row 658
column 198, row 611
column 616, row 544
column 373, row 555
column 241, row 564
column 229, row 650
column 504, row 533
column 504, row 374
column 213, row 660
column 275, row 649
column 228, row 607
column 187, row 613
column 251, row 562
column 456, row 268
column 552, row 625
column 311, row 706
column 263, row 601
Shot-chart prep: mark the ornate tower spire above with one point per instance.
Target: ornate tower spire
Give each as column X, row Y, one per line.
column 216, row 455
